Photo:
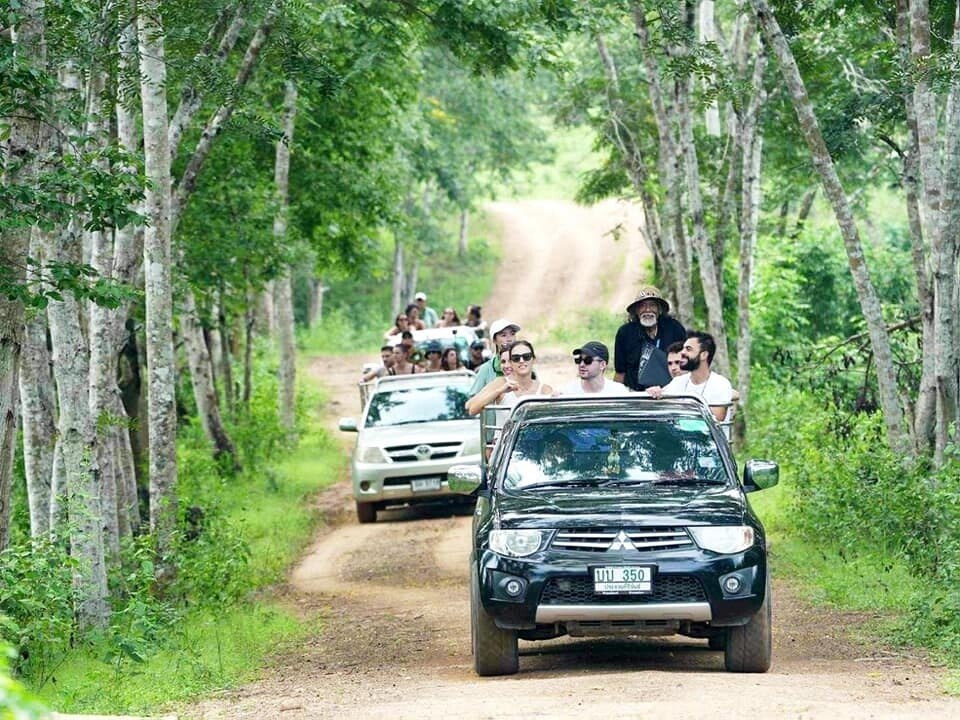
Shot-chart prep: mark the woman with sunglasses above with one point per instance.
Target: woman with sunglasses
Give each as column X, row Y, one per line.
column 401, row 324
column 491, row 393
column 522, row 381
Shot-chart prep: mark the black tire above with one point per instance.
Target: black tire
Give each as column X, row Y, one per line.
column 366, row 513
column 494, row 649
column 750, row 647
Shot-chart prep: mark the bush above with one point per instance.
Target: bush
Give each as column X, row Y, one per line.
column 37, row 603
column 850, row 494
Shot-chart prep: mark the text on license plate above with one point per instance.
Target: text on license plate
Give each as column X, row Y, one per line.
column 623, row 579
column 424, row 484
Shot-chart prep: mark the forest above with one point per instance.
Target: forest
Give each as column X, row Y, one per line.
column 195, row 195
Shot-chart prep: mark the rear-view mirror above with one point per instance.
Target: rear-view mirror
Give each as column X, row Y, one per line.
column 760, row 475
column 464, row 479
column 348, row 424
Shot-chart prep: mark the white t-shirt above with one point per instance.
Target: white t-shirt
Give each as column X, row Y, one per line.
column 610, row 387
column 717, row 390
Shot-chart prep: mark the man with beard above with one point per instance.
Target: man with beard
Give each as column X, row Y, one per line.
column 639, row 351
column 713, row 388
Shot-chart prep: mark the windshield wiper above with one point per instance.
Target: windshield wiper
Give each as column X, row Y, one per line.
column 576, row 482
column 686, row 481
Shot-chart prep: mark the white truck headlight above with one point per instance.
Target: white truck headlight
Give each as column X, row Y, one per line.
column 516, row 543
column 372, row 454
column 724, row 539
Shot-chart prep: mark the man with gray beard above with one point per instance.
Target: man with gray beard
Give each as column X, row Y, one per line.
column 639, row 352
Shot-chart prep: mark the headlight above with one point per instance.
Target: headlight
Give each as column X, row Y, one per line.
column 472, row 446
column 516, row 543
column 726, row 540
column 371, row 454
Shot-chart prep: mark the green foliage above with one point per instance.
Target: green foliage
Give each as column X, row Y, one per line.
column 855, row 501
column 15, row 702
column 37, row 602
column 357, row 311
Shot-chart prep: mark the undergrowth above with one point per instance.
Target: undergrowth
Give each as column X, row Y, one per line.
column 859, row 525
column 214, row 623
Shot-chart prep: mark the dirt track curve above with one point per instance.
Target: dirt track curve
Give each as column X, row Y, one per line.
column 391, row 604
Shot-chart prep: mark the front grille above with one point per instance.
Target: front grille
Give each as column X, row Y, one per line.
column 434, row 451
column 666, row 589
column 603, row 539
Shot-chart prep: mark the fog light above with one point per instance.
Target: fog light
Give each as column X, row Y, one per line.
column 513, row 588
column 365, row 486
column 732, row 585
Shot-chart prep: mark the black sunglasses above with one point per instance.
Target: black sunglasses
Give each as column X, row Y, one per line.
column 585, row 359
column 524, row 357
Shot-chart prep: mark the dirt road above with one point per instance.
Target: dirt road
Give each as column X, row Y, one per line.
column 392, row 610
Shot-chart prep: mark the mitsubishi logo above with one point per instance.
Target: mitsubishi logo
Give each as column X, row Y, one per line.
column 423, row 451
column 622, row 542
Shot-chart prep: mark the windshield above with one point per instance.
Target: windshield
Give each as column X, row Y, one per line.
column 615, row 453
column 407, row 405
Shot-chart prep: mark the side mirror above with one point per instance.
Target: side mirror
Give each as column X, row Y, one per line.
column 760, row 475
column 464, row 479
column 348, row 424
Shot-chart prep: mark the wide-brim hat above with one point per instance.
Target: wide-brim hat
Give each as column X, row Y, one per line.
column 649, row 292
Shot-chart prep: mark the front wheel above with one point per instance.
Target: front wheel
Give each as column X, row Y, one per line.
column 366, row 513
column 749, row 647
column 494, row 649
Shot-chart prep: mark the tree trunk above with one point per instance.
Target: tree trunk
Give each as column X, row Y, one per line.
column 283, row 288
column 751, row 143
column 823, row 163
column 223, row 355
column 709, row 271
column 945, row 254
column 462, row 236
column 249, row 325
column 82, row 480
column 39, row 420
column 633, row 157
column 161, row 369
column 127, row 256
column 925, row 408
column 675, row 246
column 397, row 298
column 201, row 374
column 19, row 151
column 188, row 181
column 708, row 34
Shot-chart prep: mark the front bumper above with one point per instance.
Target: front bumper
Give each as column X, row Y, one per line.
column 558, row 588
column 387, row 483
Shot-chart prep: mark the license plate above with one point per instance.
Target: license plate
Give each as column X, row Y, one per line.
column 623, row 579
column 425, row 484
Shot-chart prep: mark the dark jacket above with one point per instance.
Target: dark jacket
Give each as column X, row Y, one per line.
column 628, row 348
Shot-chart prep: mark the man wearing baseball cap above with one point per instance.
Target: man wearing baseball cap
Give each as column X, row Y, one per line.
column 503, row 332
column 591, row 360
column 639, row 351
column 476, row 359
column 427, row 314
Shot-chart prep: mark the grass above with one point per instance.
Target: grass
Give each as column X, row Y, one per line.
column 208, row 650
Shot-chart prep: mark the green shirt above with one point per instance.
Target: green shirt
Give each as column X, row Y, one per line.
column 485, row 373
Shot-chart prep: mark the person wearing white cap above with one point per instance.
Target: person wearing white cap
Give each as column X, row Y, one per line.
column 503, row 332
column 427, row 314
